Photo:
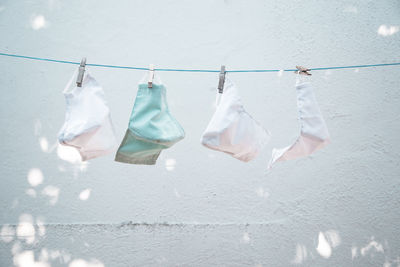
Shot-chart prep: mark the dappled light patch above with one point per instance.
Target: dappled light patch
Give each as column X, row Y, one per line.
column 52, row 193
column 7, row 233
column 85, row 194
column 261, row 192
column 41, row 229
column 68, row 154
column 353, row 252
column 25, row 229
column 333, row 238
column 245, row 238
column 27, row 259
column 31, row 192
column 170, row 164
column 61, row 255
column 301, row 254
column 327, row 241
column 39, row 22
column 44, row 144
column 83, row 166
column 35, row 177
column 371, row 247
column 323, row 248
column 385, row 30
column 16, row 247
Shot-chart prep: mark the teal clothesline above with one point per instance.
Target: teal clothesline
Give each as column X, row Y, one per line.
column 194, row 70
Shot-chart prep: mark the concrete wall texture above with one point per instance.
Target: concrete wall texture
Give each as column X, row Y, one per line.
column 198, row 207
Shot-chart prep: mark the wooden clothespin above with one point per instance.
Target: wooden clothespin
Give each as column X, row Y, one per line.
column 302, row 70
column 82, row 66
column 221, row 82
column 151, row 76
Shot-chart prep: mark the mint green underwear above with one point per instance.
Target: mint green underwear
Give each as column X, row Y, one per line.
column 151, row 127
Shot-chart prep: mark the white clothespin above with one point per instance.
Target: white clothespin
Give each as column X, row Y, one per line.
column 221, row 79
column 79, row 79
column 302, row 70
column 151, row 76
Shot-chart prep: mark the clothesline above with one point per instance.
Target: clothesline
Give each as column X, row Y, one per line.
column 196, row 70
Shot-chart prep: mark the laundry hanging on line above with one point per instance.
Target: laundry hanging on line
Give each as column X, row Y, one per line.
column 151, row 125
column 88, row 126
column 93, row 137
column 313, row 134
column 152, row 128
column 232, row 130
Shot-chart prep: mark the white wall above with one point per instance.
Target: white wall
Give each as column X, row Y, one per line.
column 197, row 207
